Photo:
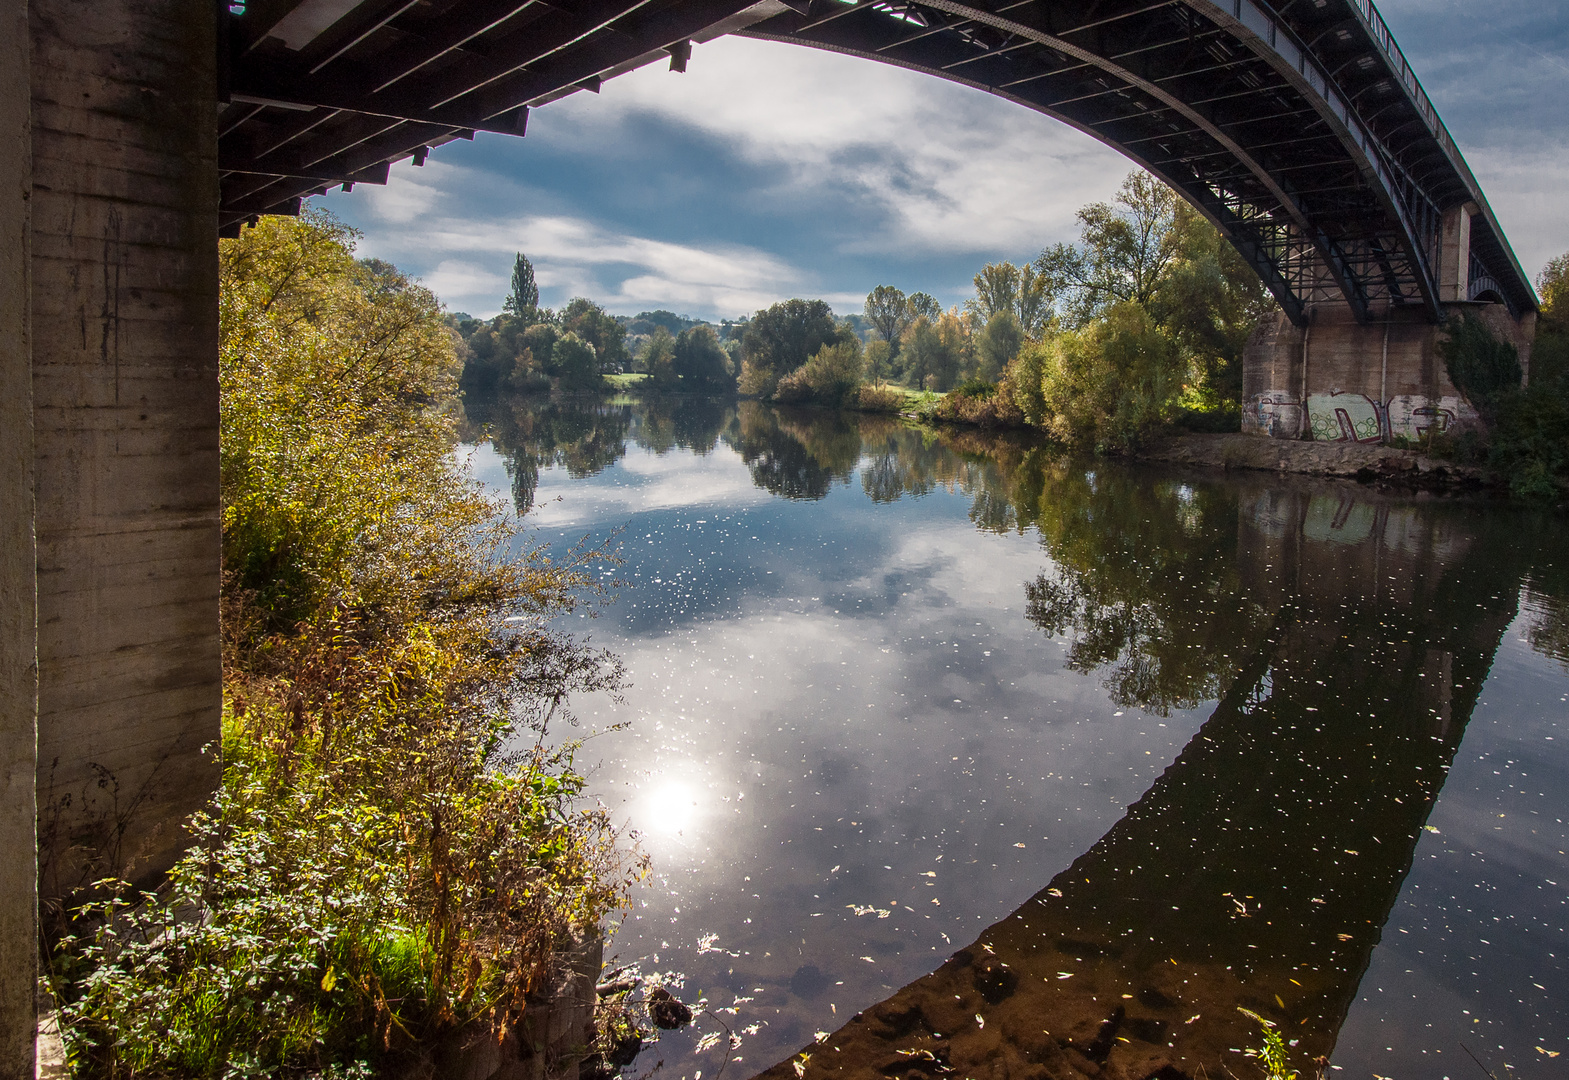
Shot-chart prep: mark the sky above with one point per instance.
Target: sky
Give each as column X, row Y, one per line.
column 768, row 171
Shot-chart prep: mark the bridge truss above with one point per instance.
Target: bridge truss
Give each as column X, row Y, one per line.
column 1296, row 126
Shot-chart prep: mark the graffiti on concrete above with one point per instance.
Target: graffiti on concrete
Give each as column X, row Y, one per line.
column 1347, row 417
column 1411, row 416
column 1275, row 415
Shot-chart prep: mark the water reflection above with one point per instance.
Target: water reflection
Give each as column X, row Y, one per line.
column 1331, row 643
column 1352, row 639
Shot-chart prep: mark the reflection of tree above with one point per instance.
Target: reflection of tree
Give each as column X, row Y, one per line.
column 1260, row 868
column 797, row 454
column 1147, row 583
column 681, row 422
column 530, row 433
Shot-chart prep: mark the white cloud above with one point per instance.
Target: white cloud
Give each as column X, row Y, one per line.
column 959, row 169
column 571, row 255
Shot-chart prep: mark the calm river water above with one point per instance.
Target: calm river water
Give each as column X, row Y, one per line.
column 1042, row 764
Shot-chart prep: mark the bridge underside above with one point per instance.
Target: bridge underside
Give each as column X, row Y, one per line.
column 1298, row 128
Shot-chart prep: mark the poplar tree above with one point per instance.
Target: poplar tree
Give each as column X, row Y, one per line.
column 524, row 298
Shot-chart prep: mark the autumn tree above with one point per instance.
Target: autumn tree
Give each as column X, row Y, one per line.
column 888, row 310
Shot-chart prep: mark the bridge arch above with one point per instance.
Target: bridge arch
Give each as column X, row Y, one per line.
column 1295, row 126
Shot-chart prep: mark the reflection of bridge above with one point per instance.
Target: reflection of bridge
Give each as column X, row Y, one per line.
column 131, row 131
column 1259, row 870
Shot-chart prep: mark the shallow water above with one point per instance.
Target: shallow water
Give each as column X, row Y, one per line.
column 1133, row 747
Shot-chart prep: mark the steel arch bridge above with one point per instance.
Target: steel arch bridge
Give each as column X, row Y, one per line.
column 1296, row 126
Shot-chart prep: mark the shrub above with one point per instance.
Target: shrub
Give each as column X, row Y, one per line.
column 831, row 377
column 1105, row 385
column 381, row 863
column 1484, row 368
column 879, row 399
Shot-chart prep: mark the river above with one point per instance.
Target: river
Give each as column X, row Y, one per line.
column 1044, row 764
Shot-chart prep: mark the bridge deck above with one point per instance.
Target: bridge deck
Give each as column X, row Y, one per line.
column 1297, row 126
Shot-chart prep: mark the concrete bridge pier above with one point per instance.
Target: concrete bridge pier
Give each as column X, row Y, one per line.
column 1340, row 380
column 109, row 536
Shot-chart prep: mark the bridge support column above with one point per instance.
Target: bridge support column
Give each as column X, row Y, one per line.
column 1342, row 380
column 125, row 418
column 1454, row 255
column 18, row 577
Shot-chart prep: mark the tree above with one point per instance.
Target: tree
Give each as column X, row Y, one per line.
column 576, row 363
column 1552, row 284
column 590, row 322
column 996, row 289
column 828, row 378
column 523, row 300
column 658, row 359
column 930, row 363
column 888, row 310
column 780, row 339
column 701, row 362
column 924, row 304
column 997, row 344
column 1126, row 250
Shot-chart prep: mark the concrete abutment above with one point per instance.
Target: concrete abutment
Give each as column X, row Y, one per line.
column 1337, row 379
column 110, row 685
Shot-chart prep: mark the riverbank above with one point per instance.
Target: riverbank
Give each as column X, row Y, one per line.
column 1365, row 462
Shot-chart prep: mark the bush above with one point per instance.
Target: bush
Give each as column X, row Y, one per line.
column 1484, row 368
column 879, row 399
column 831, row 377
column 380, row 865
column 1105, row 385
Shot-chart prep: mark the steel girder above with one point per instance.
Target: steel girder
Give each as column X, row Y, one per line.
column 1301, row 133
column 1296, row 126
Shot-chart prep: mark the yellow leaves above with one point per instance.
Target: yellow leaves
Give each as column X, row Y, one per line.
column 329, row 980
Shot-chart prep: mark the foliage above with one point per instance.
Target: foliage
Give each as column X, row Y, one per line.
column 832, row 377
column 1104, row 385
column 1552, row 284
column 523, row 300
column 878, row 399
column 930, row 361
column 1021, row 291
column 605, row 333
column 1153, row 250
column 1483, row 367
column 1126, row 251
column 575, row 362
column 1272, row 1055
column 382, row 863
column 924, row 304
column 998, row 343
column 888, row 310
column 976, row 402
column 779, row 339
column 878, row 356
column 659, row 359
column 701, row 361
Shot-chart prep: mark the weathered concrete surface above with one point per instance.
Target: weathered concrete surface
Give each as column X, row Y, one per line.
column 1349, row 460
column 124, row 267
column 1340, row 380
column 18, row 590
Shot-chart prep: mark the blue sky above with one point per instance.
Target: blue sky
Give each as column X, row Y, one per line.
column 768, row 171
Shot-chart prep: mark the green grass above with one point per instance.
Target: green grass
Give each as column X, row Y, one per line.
column 626, row 380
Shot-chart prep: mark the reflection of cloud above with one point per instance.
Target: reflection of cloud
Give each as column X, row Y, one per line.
column 643, row 481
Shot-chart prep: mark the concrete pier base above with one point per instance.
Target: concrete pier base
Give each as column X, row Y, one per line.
column 125, row 416
column 1340, row 380
column 18, row 588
